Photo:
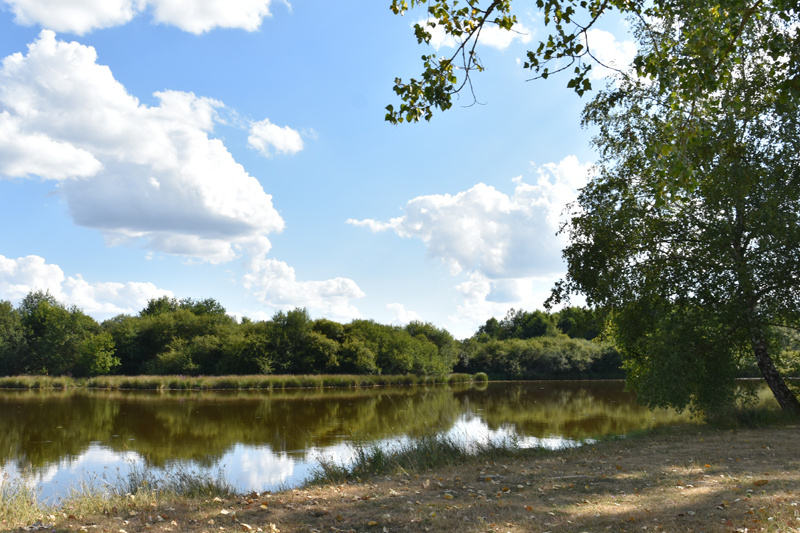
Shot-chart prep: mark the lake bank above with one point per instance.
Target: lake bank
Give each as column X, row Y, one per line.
column 234, row 382
column 687, row 477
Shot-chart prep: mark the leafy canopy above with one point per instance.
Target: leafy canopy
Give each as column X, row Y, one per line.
column 694, row 61
column 701, row 284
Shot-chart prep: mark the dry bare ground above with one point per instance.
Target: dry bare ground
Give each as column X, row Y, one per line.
column 682, row 479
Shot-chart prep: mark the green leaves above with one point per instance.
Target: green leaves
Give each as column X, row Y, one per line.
column 421, row 97
column 688, row 233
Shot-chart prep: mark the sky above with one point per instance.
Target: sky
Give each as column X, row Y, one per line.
column 237, row 150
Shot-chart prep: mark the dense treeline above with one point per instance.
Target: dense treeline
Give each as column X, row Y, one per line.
column 537, row 345
column 198, row 337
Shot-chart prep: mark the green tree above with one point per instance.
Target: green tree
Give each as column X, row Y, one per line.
column 96, row 356
column 579, row 322
column 158, row 306
column 443, row 339
column 518, row 324
column 56, row 336
column 13, row 346
column 695, row 286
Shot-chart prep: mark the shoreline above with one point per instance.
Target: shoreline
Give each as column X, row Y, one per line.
column 678, row 478
column 233, row 382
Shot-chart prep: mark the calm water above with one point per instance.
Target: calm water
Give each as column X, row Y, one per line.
column 265, row 440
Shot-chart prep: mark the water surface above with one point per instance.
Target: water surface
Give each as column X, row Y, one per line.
column 266, row 440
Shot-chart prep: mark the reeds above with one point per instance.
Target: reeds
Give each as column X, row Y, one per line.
column 255, row 382
column 418, row 455
column 21, row 503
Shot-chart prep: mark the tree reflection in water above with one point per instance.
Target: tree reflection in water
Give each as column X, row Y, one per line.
column 276, row 435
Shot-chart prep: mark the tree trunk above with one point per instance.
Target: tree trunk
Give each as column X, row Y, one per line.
column 786, row 399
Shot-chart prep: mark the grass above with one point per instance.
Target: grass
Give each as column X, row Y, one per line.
column 416, row 455
column 257, row 382
column 21, row 504
column 686, row 478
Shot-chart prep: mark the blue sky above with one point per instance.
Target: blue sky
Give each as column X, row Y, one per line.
column 237, row 150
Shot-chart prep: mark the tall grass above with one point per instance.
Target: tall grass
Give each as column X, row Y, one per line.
column 256, row 382
column 21, row 502
column 416, row 455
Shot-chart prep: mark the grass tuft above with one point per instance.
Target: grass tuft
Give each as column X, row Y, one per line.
column 21, row 503
column 418, row 455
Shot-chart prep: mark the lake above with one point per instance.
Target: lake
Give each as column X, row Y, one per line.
column 264, row 441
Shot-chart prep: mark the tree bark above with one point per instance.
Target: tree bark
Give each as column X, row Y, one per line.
column 786, row 399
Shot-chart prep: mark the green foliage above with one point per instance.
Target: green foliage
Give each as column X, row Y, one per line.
column 96, row 356
column 396, row 351
column 13, row 347
column 189, row 338
column 703, row 56
column 439, row 80
column 196, row 337
column 519, row 324
column 60, row 340
column 697, row 285
column 703, row 53
column 542, row 358
column 158, row 306
column 579, row 323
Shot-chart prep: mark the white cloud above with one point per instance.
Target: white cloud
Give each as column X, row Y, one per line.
column 195, row 16
column 480, row 298
column 110, row 298
column 198, row 16
column 265, row 134
column 485, row 230
column 491, row 35
column 20, row 276
column 504, row 247
column 612, row 53
column 275, row 284
column 401, row 314
column 21, row 154
column 139, row 173
column 76, row 16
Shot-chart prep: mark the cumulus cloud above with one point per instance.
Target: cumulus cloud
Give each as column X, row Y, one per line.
column 134, row 172
column 480, row 298
column 401, row 314
column 265, row 134
column 485, row 230
column 195, row 16
column 274, row 283
column 491, row 35
column 20, row 276
column 504, row 247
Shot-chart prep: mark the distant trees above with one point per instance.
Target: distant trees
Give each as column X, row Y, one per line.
column 198, row 337
column 42, row 336
column 536, row 345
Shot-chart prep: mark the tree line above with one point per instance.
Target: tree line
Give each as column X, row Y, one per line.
column 42, row 336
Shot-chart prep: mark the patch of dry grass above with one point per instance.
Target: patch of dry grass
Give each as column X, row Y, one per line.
column 677, row 480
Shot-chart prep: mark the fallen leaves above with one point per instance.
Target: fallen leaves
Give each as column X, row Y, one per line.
column 760, row 482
